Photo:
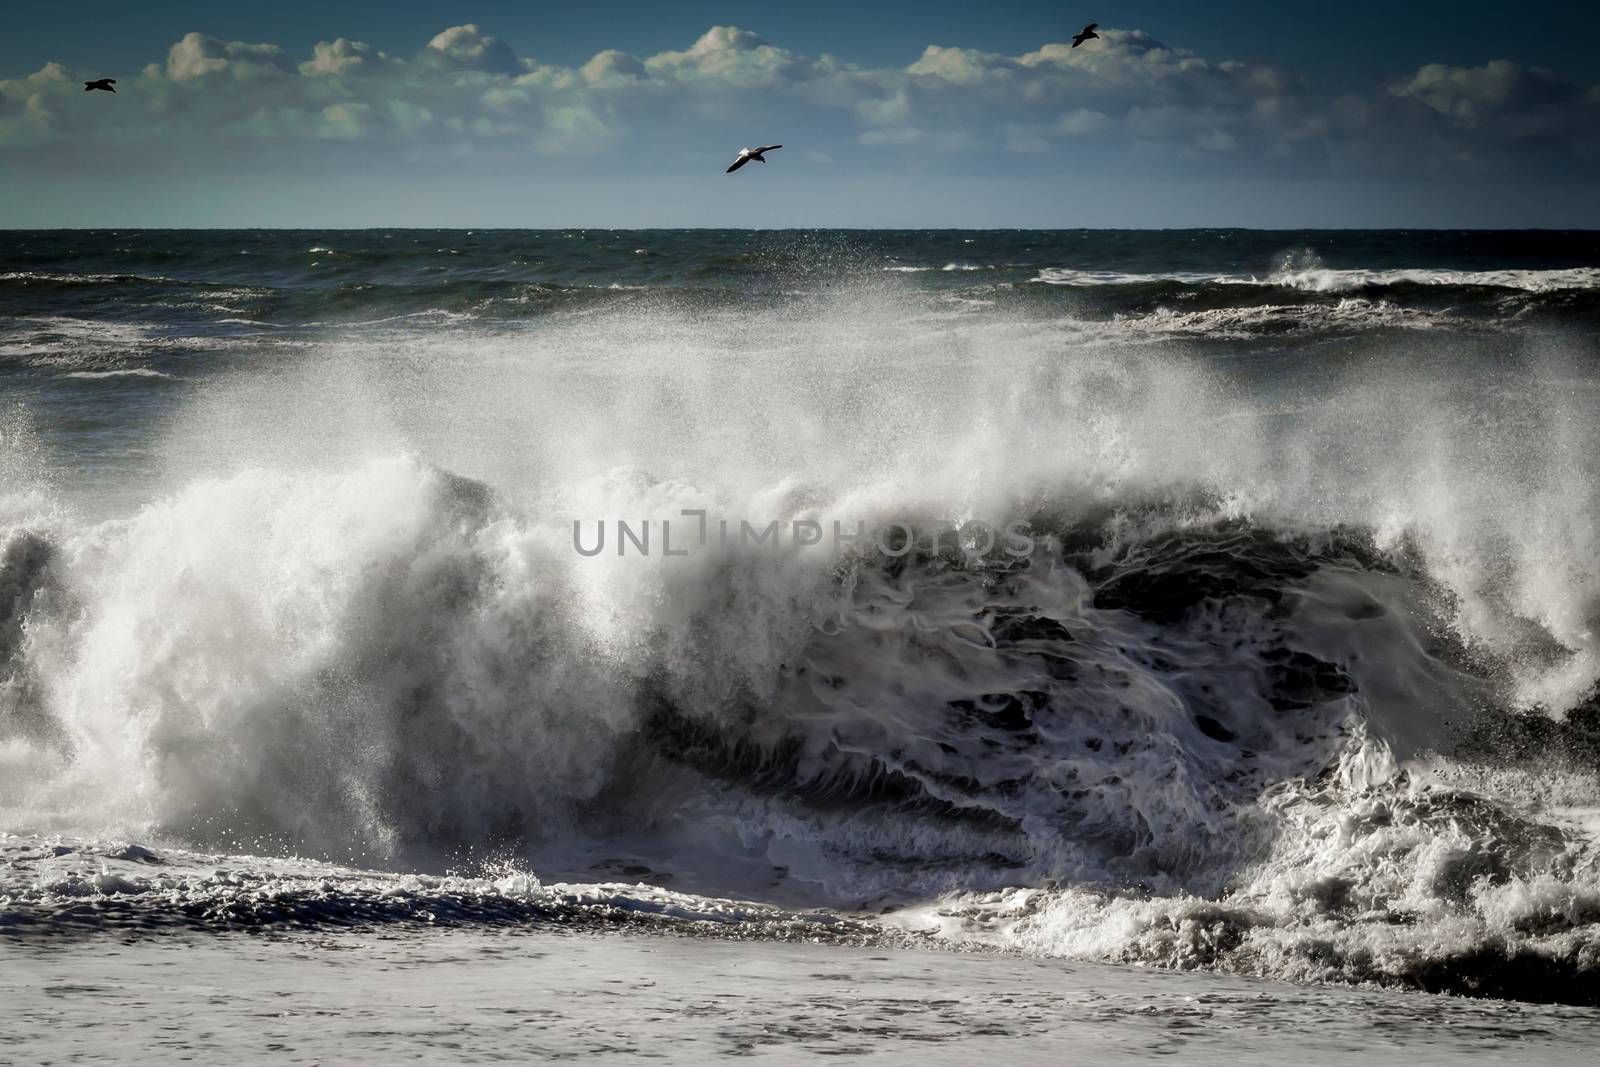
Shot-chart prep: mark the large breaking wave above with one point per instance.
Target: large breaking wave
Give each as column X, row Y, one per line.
column 1298, row 677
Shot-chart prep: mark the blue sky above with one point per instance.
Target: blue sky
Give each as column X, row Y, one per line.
column 891, row 113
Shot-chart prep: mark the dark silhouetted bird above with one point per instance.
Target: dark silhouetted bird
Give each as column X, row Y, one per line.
column 747, row 154
column 103, row 83
column 1086, row 34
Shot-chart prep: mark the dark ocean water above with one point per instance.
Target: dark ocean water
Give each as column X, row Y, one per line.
column 1296, row 674
column 101, row 332
column 298, row 279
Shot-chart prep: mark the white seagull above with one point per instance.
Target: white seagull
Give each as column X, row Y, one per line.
column 747, row 154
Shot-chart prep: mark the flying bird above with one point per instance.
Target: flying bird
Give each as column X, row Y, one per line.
column 103, row 83
column 1086, row 34
column 747, row 154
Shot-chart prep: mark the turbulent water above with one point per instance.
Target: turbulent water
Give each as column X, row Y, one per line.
column 1266, row 639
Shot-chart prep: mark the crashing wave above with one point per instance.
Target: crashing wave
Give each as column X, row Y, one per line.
column 1289, row 687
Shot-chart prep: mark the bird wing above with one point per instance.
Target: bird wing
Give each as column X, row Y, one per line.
column 111, row 81
column 766, row 148
column 741, row 161
column 1090, row 28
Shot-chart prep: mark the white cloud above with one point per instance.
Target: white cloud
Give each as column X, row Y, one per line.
column 611, row 68
column 197, row 56
column 469, row 48
column 961, row 65
column 25, row 113
column 733, row 56
column 344, row 121
column 467, row 91
column 1127, row 88
column 343, row 56
column 50, row 74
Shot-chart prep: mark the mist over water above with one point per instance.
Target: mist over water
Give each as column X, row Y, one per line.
column 1298, row 679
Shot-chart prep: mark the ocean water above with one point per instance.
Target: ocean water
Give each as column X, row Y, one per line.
column 691, row 605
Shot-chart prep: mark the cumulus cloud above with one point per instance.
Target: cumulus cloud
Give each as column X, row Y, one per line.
column 612, row 67
column 1504, row 99
column 197, row 56
column 468, row 48
column 344, row 56
column 466, row 90
column 738, row 57
column 1464, row 93
column 26, row 116
column 1131, row 87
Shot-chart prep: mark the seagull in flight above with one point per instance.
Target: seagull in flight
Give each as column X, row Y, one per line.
column 103, row 83
column 747, row 154
column 1086, row 34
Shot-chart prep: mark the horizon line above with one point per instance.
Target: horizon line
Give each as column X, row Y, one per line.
column 814, row 229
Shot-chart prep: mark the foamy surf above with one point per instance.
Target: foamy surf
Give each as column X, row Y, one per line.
column 547, row 992
column 1309, row 275
column 1296, row 677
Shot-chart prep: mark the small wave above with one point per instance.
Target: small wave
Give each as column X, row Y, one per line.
column 47, row 883
column 130, row 372
column 439, row 315
column 1325, row 280
column 1068, row 276
column 1317, row 279
column 66, row 341
column 949, row 267
column 29, row 277
column 1245, row 322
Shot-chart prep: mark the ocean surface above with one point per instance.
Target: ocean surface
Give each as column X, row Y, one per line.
column 813, row 625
